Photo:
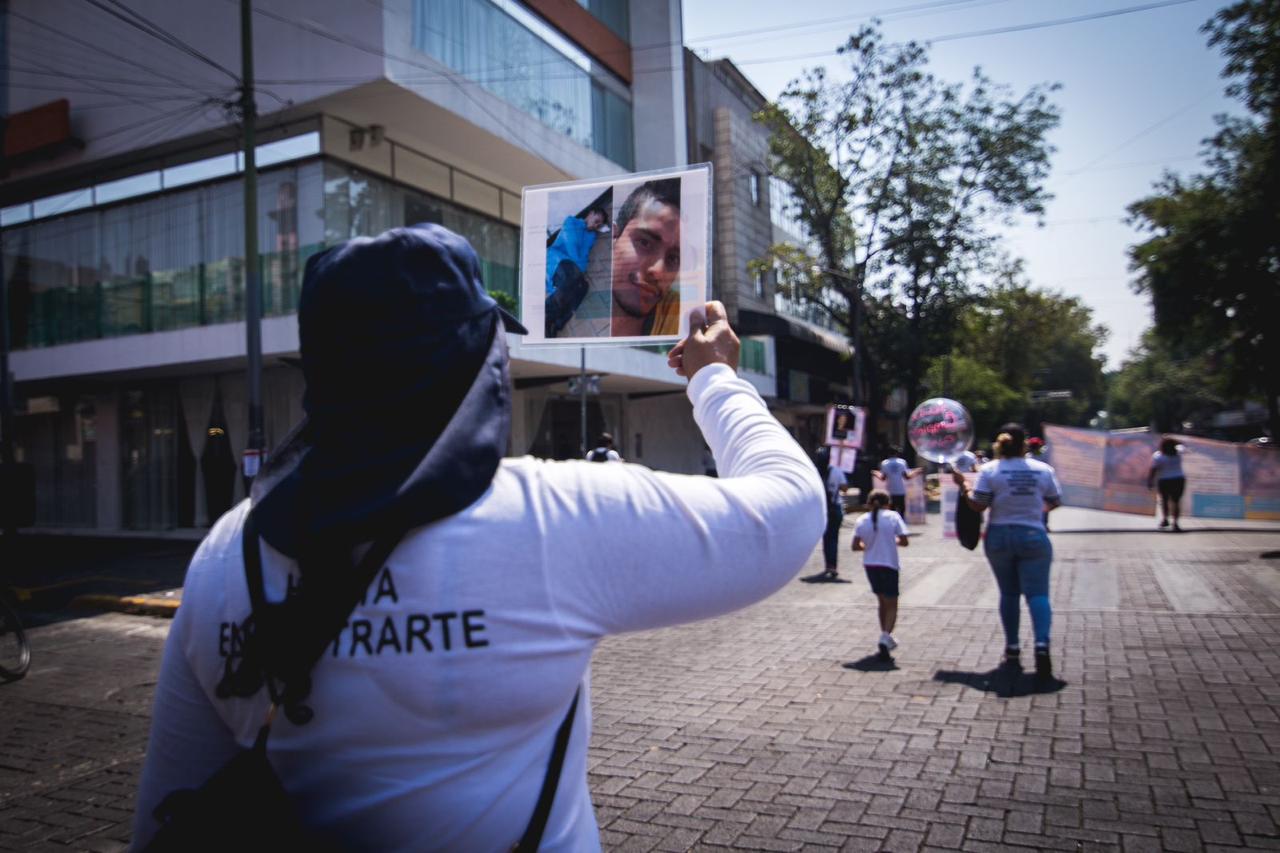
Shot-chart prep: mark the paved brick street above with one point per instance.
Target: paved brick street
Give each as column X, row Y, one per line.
column 773, row 728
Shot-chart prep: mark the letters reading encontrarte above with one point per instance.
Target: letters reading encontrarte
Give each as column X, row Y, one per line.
column 393, row 633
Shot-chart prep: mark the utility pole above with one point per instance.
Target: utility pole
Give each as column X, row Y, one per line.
column 8, row 484
column 252, row 278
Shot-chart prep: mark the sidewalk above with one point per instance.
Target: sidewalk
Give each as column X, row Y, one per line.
column 772, row 729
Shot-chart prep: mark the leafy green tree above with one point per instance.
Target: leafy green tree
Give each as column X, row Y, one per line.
column 1161, row 386
column 982, row 391
column 1037, row 340
column 1211, row 262
column 899, row 180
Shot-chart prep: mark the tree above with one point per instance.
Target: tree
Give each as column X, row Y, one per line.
column 1211, row 264
column 982, row 390
column 898, row 179
column 1037, row 340
column 1161, row 386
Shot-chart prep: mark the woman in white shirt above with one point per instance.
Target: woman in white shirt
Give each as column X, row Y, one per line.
column 1166, row 471
column 1018, row 490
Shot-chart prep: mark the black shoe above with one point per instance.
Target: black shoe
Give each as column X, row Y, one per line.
column 1044, row 669
column 883, row 656
column 1176, row 528
column 1164, row 524
column 1012, row 659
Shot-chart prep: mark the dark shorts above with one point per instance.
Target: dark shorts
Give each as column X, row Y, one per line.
column 1172, row 487
column 884, row 581
column 898, row 503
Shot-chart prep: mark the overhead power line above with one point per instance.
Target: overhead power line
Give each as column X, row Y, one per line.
column 1058, row 22
column 140, row 22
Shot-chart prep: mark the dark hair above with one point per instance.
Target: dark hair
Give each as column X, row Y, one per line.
column 665, row 191
column 893, row 450
column 596, row 209
column 1012, row 440
column 877, row 500
column 605, row 440
column 1169, row 446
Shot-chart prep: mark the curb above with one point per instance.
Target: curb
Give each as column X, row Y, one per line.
column 143, row 605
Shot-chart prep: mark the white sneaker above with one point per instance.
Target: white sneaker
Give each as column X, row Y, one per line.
column 889, row 641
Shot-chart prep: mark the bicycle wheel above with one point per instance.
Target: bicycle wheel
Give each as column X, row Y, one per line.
column 15, row 653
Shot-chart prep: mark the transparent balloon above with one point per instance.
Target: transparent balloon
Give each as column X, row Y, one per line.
column 940, row 429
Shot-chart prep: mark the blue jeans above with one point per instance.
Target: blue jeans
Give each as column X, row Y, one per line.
column 831, row 537
column 1020, row 558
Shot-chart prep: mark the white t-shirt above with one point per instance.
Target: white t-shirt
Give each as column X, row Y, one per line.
column 1167, row 467
column 965, row 462
column 895, row 475
column 1017, row 490
column 437, row 707
column 880, row 538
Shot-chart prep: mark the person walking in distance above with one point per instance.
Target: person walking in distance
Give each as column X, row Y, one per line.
column 1017, row 490
column 1166, row 474
column 604, row 450
column 894, row 473
column 837, row 482
column 878, row 535
column 428, row 710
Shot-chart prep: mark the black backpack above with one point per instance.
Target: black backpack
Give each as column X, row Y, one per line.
column 598, row 455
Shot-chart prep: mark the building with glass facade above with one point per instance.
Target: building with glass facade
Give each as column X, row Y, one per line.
column 123, row 233
column 790, row 351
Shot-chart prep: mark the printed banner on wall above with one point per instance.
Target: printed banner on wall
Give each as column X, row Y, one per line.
column 1079, row 458
column 1128, row 461
column 1106, row 471
column 1260, row 469
column 1212, row 469
column 916, row 509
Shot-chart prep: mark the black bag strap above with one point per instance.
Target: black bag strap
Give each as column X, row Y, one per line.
column 538, row 823
column 331, row 623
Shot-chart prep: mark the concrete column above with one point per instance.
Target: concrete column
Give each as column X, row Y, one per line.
column 657, row 93
column 106, row 424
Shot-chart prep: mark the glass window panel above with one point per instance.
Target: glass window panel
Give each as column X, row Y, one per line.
column 62, row 203
column 527, row 65
column 614, row 14
column 133, row 185
column 15, row 215
column 201, row 170
column 294, row 148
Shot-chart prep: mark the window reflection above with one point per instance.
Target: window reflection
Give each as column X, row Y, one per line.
column 176, row 260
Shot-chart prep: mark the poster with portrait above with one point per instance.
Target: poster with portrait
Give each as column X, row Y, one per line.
column 845, row 426
column 615, row 260
column 844, row 458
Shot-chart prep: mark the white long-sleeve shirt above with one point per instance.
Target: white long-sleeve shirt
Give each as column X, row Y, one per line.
column 436, row 708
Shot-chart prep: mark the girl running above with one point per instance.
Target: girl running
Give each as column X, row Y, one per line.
column 878, row 535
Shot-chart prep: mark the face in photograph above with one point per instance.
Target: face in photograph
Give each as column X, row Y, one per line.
column 646, row 260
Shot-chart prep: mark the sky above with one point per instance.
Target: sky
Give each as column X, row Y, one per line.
column 1139, row 95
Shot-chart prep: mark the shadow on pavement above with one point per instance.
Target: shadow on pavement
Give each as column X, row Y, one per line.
column 1093, row 531
column 872, row 663
column 1005, row 682
column 823, row 577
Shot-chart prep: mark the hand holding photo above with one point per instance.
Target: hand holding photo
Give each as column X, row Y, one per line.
column 619, row 260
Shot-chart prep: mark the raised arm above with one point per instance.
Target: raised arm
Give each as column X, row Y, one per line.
column 653, row 548
column 979, row 504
